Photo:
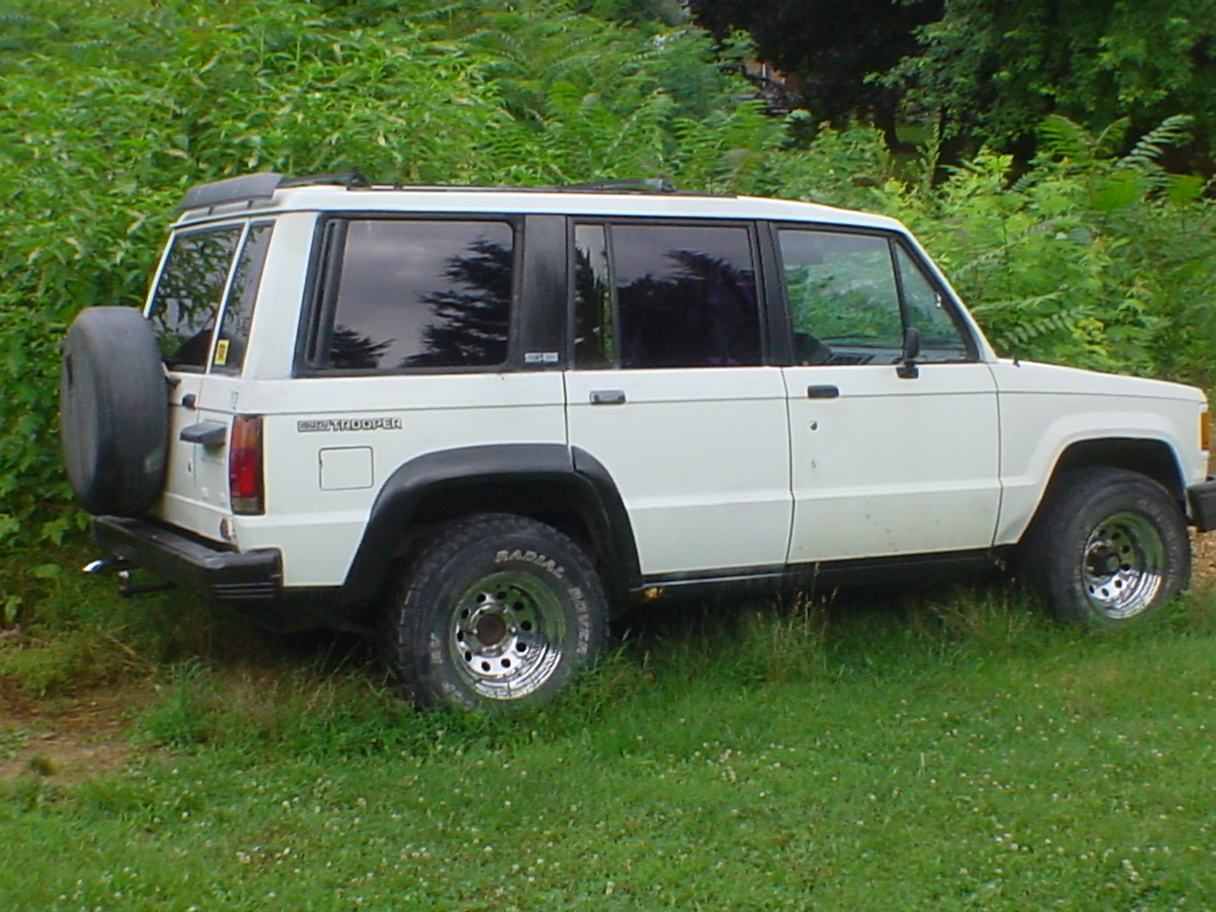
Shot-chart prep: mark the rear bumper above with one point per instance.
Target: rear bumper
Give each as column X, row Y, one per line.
column 251, row 578
column 1202, row 500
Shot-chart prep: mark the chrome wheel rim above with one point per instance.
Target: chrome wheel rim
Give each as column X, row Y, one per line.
column 506, row 634
column 1123, row 565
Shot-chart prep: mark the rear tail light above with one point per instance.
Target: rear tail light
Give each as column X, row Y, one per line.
column 1205, row 430
column 246, row 489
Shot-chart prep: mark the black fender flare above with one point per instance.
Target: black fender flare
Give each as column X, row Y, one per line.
column 579, row 474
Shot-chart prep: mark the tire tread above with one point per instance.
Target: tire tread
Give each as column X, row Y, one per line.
column 1069, row 495
column 405, row 621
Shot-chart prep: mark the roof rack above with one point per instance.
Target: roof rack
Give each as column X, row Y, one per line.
column 635, row 185
column 261, row 186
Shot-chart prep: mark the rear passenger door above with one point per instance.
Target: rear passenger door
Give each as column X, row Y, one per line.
column 670, row 393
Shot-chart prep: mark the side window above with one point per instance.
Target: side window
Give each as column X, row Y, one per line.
column 594, row 323
column 665, row 296
column 189, row 292
column 421, row 293
column 940, row 337
column 849, row 301
column 843, row 298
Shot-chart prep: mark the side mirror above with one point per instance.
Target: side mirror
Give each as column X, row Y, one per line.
column 908, row 370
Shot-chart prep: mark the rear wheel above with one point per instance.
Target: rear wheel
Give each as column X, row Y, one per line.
column 1108, row 546
column 497, row 611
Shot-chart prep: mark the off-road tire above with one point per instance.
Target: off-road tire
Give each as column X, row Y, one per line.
column 113, row 411
column 1107, row 546
column 497, row 611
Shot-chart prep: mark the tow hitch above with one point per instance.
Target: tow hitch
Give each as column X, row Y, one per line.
column 124, row 568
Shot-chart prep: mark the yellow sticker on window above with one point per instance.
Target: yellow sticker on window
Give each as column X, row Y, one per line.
column 221, row 352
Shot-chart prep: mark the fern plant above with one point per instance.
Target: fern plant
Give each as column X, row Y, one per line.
column 1073, row 261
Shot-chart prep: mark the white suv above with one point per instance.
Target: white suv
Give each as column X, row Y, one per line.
column 484, row 421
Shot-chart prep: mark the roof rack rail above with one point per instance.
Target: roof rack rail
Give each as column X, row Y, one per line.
column 261, row 186
column 635, row 185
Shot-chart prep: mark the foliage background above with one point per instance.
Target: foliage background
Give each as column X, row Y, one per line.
column 992, row 69
column 1088, row 255
column 986, row 72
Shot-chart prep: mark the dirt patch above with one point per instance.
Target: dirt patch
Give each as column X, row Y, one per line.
column 67, row 739
column 1203, row 571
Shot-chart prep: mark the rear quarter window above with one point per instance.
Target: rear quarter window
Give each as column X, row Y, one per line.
column 417, row 293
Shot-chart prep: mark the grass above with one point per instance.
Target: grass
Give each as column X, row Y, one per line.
column 933, row 749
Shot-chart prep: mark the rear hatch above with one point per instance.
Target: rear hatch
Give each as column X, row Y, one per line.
column 208, row 278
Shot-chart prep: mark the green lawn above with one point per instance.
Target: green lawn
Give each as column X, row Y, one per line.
column 950, row 752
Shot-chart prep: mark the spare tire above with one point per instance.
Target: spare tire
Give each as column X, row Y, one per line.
column 113, row 411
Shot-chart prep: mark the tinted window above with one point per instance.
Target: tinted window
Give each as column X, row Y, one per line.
column 685, row 296
column 421, row 294
column 189, row 292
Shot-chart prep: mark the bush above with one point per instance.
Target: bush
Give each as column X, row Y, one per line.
column 1087, row 259
column 110, row 112
column 109, row 120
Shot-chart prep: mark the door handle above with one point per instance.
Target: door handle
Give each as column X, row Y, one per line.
column 823, row 391
column 607, row 397
column 208, row 433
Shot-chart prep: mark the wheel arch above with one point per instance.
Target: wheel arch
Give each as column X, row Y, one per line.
column 1151, row 457
column 561, row 486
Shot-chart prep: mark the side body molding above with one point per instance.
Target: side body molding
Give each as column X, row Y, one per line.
column 551, row 480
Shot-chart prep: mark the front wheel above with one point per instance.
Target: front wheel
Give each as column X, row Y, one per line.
column 1108, row 546
column 497, row 611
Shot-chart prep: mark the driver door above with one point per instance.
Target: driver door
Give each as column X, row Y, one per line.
column 886, row 461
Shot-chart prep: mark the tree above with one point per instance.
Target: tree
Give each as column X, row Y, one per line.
column 828, row 54
column 350, row 351
column 665, row 11
column 992, row 70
